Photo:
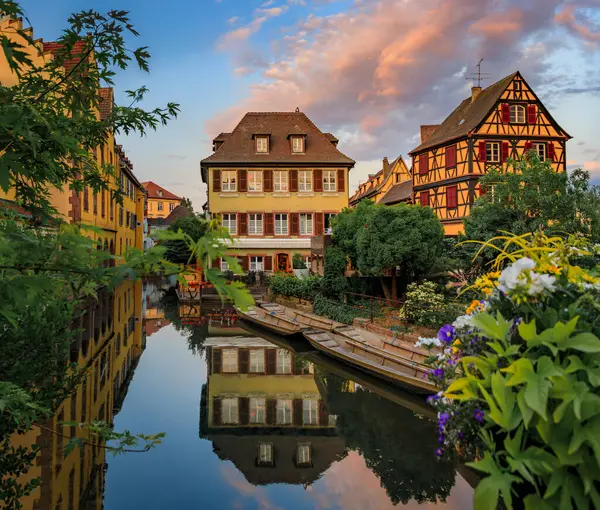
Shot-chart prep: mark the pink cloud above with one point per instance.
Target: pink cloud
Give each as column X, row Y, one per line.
column 592, row 166
column 578, row 23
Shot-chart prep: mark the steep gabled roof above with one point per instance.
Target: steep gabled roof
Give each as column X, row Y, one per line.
column 239, row 146
column 176, row 214
column 369, row 186
column 76, row 52
column 152, row 188
column 398, row 193
column 467, row 116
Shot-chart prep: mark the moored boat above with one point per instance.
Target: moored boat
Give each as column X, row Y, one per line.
column 307, row 319
column 276, row 323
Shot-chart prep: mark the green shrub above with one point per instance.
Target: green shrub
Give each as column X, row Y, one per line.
column 288, row 285
column 298, row 261
column 426, row 305
column 336, row 310
column 335, row 284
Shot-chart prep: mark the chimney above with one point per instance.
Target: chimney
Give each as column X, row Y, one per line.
column 386, row 167
column 475, row 91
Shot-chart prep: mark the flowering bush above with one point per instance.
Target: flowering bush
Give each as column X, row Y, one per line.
column 519, row 377
column 425, row 305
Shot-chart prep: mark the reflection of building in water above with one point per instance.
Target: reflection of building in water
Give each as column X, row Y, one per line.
column 262, row 410
column 109, row 346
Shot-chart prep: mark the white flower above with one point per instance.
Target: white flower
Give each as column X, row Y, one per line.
column 509, row 278
column 428, row 342
column 540, row 282
column 464, row 321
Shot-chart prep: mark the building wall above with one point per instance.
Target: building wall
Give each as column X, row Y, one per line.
column 167, row 206
column 399, row 173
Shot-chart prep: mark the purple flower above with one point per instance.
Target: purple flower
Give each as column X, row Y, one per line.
column 461, row 435
column 479, row 414
column 432, row 398
column 438, row 372
column 443, row 419
column 451, row 362
column 439, row 452
column 441, row 439
column 446, row 334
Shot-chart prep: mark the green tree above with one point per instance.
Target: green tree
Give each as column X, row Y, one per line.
column 177, row 250
column 346, row 226
column 187, row 203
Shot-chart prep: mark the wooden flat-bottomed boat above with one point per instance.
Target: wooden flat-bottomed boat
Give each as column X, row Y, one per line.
column 276, row 323
column 401, row 371
column 307, row 319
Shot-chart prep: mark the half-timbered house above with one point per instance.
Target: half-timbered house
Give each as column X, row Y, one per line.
column 504, row 121
column 391, row 185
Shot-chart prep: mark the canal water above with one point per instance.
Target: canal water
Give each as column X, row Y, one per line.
column 251, row 423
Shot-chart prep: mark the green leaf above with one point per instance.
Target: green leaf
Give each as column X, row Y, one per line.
column 527, row 330
column 535, row 502
column 495, row 328
column 584, row 342
column 526, row 411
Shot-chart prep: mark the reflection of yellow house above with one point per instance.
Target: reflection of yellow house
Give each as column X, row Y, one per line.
column 122, row 225
column 108, row 347
column 391, row 185
column 262, row 409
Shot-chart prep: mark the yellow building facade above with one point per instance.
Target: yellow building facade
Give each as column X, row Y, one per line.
column 161, row 202
column 391, row 185
column 275, row 181
column 504, row 121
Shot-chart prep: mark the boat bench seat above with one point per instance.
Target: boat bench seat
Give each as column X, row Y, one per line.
column 388, row 355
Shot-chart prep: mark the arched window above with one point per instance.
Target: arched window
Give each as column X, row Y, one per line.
column 517, row 114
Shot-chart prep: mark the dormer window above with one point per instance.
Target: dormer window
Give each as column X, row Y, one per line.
column 262, row 144
column 159, row 193
column 298, row 144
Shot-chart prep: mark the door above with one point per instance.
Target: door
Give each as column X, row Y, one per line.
column 283, row 262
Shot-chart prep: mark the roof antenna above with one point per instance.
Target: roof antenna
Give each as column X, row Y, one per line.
column 478, row 76
column 297, row 109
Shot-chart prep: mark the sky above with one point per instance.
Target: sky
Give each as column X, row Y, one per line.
column 369, row 71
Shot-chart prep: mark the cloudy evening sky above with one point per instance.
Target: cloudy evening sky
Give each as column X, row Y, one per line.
column 369, row 71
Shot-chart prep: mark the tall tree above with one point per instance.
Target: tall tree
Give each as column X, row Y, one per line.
column 187, row 203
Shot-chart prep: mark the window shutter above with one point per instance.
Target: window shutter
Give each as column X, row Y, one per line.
column 244, row 410
column 271, row 411
column 269, row 224
column 451, row 197
column 293, row 181
column 505, row 113
column 323, row 414
column 268, row 263
column 242, row 224
column 243, row 180
column 505, row 150
column 217, row 180
column 551, row 151
column 244, row 360
column 341, row 180
column 482, row 191
column 482, row 151
column 319, row 223
column 217, row 263
column 424, row 198
column 268, row 181
column 297, row 411
column 528, row 146
column 318, row 179
column 245, row 262
column 271, row 361
column 295, row 227
column 423, row 164
column 217, row 360
column 216, row 411
column 531, row 114
column 451, row 156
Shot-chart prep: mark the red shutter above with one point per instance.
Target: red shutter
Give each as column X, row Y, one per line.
column 293, row 181
column 244, row 410
column 297, row 411
column 295, row 227
column 424, row 198
column 271, row 411
column 551, row 151
column 319, row 223
column 245, row 262
column 531, row 114
column 451, row 156
column 505, row 113
column 271, row 357
column 243, row 224
column 216, row 411
column 451, row 197
column 243, row 180
column 268, row 263
column 505, row 150
column 318, row 179
column 216, row 180
column 323, row 414
column 341, row 180
column 423, row 164
column 268, row 181
column 217, row 360
column 217, row 263
column 528, row 146
column 482, row 151
column 244, row 360
column 269, row 224
column 482, row 191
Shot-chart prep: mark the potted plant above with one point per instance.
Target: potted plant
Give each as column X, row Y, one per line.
column 299, row 265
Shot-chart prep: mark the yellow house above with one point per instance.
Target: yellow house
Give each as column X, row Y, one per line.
column 275, row 181
column 109, row 346
column 391, row 185
column 161, row 202
column 121, row 225
column 504, row 121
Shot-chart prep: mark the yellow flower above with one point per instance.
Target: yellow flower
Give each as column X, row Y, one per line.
column 457, row 341
column 472, row 307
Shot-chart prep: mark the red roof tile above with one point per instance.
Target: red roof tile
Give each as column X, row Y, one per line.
column 152, row 188
column 105, row 104
column 76, row 52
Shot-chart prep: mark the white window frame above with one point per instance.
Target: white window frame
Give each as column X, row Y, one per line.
column 265, row 453
column 332, row 420
column 306, row 224
column 492, row 152
column 160, row 206
column 310, row 411
column 224, row 265
column 284, row 411
column 303, row 454
column 281, row 222
column 329, row 181
column 255, row 181
column 171, row 207
column 280, row 181
column 257, row 361
column 297, row 144
column 262, row 144
column 258, row 410
column 255, row 224
column 255, row 263
column 229, row 361
column 230, row 411
column 305, row 181
column 283, row 365
column 229, row 180
column 541, row 150
column 229, row 221
column 517, row 114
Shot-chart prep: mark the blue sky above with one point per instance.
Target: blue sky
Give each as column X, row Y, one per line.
column 370, row 71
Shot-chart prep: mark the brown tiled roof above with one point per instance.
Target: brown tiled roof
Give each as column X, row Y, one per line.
column 76, row 52
column 467, row 116
column 239, row 147
column 331, row 137
column 222, row 137
column 176, row 214
column 106, row 102
column 152, row 188
column 427, row 130
column 370, row 188
column 398, row 193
